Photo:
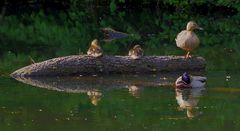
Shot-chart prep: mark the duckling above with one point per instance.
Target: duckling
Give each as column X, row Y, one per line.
column 187, row 81
column 187, row 39
column 95, row 50
column 136, row 52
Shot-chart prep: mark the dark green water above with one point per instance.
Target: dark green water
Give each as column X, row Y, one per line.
column 25, row 107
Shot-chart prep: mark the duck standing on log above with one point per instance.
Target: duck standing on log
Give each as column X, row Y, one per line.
column 187, row 39
column 95, row 49
column 136, row 52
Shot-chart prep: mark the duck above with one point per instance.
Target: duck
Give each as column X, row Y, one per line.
column 187, row 39
column 188, row 81
column 95, row 49
column 136, row 52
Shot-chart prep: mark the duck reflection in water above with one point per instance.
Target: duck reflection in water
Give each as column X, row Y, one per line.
column 134, row 90
column 188, row 91
column 95, row 96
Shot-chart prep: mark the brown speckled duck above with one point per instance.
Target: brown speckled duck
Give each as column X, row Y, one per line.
column 187, row 39
column 136, row 52
column 95, row 50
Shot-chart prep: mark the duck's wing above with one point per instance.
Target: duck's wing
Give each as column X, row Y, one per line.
column 181, row 38
column 198, row 81
column 140, row 52
column 200, row 78
column 98, row 52
column 130, row 52
column 90, row 50
column 95, row 51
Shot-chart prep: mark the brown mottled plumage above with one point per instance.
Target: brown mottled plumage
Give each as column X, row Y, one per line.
column 95, row 50
column 187, row 39
column 136, row 52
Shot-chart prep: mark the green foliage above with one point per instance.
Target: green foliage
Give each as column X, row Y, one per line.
column 67, row 33
column 112, row 6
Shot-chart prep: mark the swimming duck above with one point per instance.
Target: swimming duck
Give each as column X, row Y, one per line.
column 136, row 52
column 187, row 39
column 95, row 50
column 187, row 81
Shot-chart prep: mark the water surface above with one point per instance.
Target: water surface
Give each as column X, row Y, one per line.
column 120, row 102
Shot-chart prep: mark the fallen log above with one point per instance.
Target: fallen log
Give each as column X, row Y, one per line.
column 76, row 65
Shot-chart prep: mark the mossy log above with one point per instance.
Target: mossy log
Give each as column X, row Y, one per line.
column 76, row 65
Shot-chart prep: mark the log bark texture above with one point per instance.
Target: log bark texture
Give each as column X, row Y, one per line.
column 84, row 64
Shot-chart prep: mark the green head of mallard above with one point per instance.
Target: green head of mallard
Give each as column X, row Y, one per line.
column 191, row 25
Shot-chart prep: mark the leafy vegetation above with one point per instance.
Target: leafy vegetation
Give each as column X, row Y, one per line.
column 46, row 34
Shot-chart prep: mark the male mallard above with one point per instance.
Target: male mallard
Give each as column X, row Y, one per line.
column 187, row 39
column 136, row 52
column 95, row 50
column 187, row 81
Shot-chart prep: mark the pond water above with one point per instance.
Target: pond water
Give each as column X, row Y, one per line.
column 127, row 102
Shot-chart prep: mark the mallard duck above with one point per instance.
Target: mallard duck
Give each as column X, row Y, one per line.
column 136, row 52
column 95, row 50
column 187, row 81
column 187, row 39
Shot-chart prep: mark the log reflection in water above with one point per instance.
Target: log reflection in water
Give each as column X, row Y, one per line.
column 83, row 84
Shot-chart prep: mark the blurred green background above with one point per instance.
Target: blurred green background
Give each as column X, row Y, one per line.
column 44, row 29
